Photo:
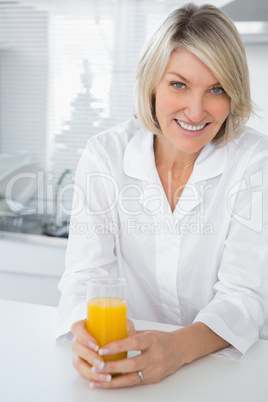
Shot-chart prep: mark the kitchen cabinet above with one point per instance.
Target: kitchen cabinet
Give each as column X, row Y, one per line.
column 31, row 267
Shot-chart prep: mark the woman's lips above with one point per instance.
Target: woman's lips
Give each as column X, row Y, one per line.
column 191, row 130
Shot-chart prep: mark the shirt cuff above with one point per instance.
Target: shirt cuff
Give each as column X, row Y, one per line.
column 239, row 345
column 64, row 323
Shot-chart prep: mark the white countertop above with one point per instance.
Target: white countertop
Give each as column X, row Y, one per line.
column 34, row 239
column 33, row 368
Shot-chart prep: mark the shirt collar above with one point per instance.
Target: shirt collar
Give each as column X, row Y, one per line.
column 210, row 162
column 139, row 156
column 139, row 161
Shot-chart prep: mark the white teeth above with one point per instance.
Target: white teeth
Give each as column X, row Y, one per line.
column 190, row 127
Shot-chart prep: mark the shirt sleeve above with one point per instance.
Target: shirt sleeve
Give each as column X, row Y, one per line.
column 91, row 248
column 239, row 309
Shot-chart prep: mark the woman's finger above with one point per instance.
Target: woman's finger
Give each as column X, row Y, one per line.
column 87, row 362
column 125, row 380
column 137, row 342
column 87, row 354
column 85, row 357
column 130, row 328
column 82, row 335
column 129, row 365
column 85, row 370
column 140, row 343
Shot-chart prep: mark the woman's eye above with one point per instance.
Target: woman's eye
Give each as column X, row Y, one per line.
column 178, row 85
column 217, row 90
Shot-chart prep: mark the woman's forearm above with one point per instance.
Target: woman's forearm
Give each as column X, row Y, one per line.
column 197, row 340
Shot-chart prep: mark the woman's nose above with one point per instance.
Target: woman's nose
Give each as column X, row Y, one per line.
column 195, row 108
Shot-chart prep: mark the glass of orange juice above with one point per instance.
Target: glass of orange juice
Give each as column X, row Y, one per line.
column 107, row 312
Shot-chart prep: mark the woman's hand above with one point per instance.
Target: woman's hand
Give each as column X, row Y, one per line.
column 159, row 358
column 85, row 354
column 86, row 359
column 161, row 354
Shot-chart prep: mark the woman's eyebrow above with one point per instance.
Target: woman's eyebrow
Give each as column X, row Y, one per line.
column 182, row 78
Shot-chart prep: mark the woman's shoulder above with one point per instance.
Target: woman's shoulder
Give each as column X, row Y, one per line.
column 251, row 138
column 249, row 143
column 115, row 139
column 248, row 151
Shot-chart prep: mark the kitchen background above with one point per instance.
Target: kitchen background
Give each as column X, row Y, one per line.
column 67, row 71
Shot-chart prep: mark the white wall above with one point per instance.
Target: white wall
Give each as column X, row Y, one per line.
column 257, row 55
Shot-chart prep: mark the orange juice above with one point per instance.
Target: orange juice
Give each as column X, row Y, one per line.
column 107, row 322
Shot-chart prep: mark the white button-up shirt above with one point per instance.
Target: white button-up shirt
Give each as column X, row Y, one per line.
column 207, row 261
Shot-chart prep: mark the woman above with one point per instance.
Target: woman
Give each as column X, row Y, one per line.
column 173, row 201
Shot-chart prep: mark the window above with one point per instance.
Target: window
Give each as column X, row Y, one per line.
column 67, row 72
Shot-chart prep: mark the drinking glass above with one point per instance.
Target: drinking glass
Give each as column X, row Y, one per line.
column 107, row 312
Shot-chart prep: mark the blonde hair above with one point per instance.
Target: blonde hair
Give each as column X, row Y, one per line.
column 211, row 35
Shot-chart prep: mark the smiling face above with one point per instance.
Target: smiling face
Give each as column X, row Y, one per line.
column 190, row 104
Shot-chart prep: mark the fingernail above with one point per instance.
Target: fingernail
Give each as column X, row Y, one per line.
column 93, row 384
column 105, row 377
column 98, row 364
column 103, row 352
column 93, row 346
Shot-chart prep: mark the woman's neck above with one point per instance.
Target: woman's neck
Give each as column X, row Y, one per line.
column 174, row 169
column 172, row 159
